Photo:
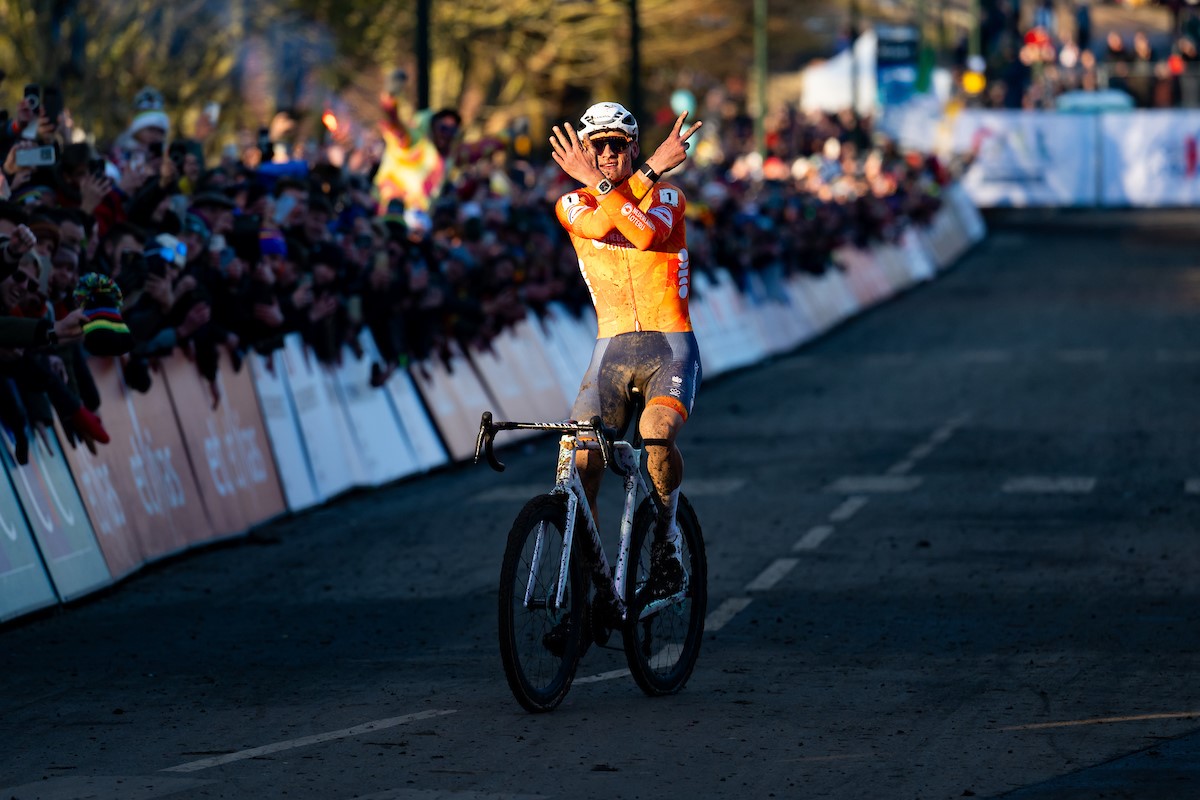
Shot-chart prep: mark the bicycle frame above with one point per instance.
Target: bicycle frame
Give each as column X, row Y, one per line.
column 620, row 456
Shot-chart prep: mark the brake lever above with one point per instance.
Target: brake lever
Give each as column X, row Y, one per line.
column 484, row 442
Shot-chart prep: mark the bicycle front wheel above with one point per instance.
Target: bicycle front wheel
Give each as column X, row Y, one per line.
column 663, row 636
column 540, row 638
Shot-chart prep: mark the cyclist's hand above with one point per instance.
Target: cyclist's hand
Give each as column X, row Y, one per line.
column 576, row 160
column 674, row 149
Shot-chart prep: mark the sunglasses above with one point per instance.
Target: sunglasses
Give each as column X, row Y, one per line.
column 617, row 144
column 30, row 284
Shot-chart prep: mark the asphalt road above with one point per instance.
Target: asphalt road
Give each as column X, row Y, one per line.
column 952, row 550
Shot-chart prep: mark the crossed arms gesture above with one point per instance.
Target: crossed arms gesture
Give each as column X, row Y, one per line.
column 578, row 161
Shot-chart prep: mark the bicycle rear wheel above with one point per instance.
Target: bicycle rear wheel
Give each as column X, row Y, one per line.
column 540, row 640
column 663, row 637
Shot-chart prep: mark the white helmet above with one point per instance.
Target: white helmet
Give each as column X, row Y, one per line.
column 608, row 117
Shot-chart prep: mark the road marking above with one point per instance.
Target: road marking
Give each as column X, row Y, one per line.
column 725, row 613
column 873, row 484
column 1040, row 484
column 772, row 574
column 1082, row 356
column 849, row 507
column 1041, row 726
column 813, row 539
column 304, row 741
column 902, row 467
column 604, row 676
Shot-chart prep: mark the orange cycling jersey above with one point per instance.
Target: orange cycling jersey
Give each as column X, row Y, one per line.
column 632, row 248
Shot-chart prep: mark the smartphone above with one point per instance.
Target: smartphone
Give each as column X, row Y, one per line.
column 155, row 149
column 213, row 112
column 52, row 103
column 97, row 167
column 264, row 142
column 33, row 99
column 36, row 156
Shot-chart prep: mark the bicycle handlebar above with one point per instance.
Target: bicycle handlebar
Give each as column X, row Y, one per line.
column 489, row 428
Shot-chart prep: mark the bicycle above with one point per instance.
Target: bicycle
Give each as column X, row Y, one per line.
column 557, row 592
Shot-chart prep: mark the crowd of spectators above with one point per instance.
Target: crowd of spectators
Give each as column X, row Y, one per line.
column 1032, row 60
column 232, row 254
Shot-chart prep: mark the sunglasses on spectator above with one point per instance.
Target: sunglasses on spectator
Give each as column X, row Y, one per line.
column 170, row 255
column 617, row 144
column 30, row 284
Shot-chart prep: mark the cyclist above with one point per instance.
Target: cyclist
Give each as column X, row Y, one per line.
column 628, row 230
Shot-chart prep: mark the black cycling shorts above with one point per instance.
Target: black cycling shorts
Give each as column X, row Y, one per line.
column 665, row 367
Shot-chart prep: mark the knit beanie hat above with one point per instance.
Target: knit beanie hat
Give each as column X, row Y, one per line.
column 148, row 112
column 104, row 332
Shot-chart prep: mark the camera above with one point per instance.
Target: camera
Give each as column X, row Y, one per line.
column 155, row 149
column 33, row 96
column 43, row 156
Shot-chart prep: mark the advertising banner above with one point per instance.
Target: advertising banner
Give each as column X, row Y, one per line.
column 227, row 445
column 24, row 584
column 335, row 466
column 382, row 447
column 1151, row 158
column 457, row 399
column 418, row 428
column 896, row 62
column 291, row 460
column 57, row 517
column 521, row 378
column 138, row 489
column 1023, row 158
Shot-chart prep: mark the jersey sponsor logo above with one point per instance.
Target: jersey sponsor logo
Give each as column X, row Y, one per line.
column 676, row 391
column 664, row 214
column 570, row 200
column 669, row 197
column 626, row 209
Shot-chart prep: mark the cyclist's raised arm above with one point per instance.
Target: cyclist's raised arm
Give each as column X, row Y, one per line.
column 647, row 229
column 579, row 213
column 670, row 154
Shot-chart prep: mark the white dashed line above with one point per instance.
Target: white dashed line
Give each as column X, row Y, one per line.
column 813, row 538
column 304, row 741
column 873, row 484
column 849, row 507
column 902, row 467
column 772, row 575
column 725, row 613
column 612, row 674
column 1039, row 484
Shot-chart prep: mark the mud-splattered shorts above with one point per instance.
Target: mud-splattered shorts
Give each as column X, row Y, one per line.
column 665, row 367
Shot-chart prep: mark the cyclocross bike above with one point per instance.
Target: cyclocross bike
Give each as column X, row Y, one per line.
column 558, row 594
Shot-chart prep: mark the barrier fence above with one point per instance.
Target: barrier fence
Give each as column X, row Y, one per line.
column 290, row 433
column 1119, row 159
